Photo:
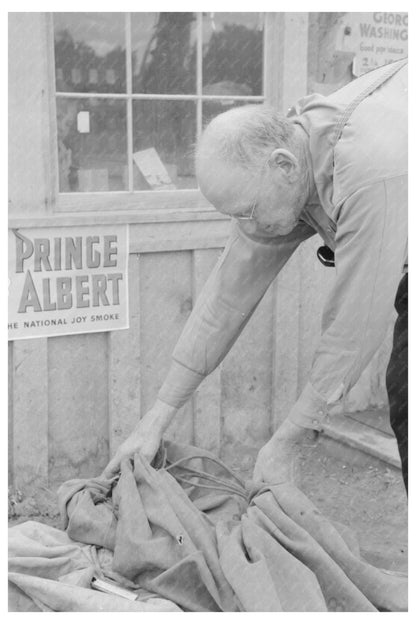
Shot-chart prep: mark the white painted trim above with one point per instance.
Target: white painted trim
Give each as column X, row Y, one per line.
column 50, row 148
column 295, row 59
column 199, row 60
column 116, row 216
column 191, row 200
column 129, row 87
column 149, row 231
column 156, row 96
column 273, row 49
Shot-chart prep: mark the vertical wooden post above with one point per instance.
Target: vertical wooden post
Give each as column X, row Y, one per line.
column 31, row 188
column 286, row 81
column 32, row 139
column 286, row 58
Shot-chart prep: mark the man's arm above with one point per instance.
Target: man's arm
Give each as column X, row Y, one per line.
column 371, row 244
column 235, row 287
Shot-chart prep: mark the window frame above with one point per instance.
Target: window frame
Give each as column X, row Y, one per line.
column 277, row 76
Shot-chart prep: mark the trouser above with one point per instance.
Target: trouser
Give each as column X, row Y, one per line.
column 397, row 377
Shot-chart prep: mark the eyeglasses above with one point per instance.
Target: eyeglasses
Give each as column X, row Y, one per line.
column 249, row 217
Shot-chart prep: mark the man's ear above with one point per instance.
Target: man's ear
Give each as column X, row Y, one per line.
column 284, row 160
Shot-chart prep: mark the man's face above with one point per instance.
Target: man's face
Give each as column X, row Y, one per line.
column 273, row 201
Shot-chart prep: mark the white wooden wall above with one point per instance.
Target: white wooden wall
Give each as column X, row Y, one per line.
column 73, row 399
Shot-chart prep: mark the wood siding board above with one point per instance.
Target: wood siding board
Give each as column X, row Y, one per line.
column 287, row 304
column 30, row 410
column 246, row 389
column 207, row 399
column 78, row 406
column 10, row 412
column 124, row 366
column 312, row 276
column 166, row 302
column 370, row 390
column 275, row 363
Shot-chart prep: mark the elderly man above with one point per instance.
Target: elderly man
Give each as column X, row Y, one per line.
column 336, row 166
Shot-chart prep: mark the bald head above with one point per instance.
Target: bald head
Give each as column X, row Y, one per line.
column 244, row 137
column 251, row 164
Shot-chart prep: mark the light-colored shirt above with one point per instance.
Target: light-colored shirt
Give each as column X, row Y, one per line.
column 359, row 159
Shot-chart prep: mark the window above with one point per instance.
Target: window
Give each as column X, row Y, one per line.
column 134, row 91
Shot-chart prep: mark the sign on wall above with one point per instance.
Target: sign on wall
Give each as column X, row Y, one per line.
column 67, row 280
column 375, row 38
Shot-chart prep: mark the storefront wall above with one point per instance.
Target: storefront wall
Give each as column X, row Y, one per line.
column 73, row 399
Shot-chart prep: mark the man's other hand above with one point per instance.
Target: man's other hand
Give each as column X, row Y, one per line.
column 144, row 439
column 278, row 460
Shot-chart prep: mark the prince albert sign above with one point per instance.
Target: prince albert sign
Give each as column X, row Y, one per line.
column 67, row 280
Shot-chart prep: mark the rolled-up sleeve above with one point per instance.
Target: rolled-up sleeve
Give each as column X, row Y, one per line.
column 235, row 287
column 371, row 244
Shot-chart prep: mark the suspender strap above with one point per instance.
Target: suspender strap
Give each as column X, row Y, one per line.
column 391, row 69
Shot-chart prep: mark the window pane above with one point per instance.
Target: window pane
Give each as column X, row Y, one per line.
column 164, row 135
column 212, row 108
column 90, row 52
column 164, row 52
column 92, row 144
column 232, row 54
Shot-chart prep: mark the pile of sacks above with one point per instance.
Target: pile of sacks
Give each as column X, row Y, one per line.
column 184, row 534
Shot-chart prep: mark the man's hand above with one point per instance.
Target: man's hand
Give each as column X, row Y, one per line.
column 145, row 438
column 278, row 460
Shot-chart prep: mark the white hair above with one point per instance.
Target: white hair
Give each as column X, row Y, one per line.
column 246, row 136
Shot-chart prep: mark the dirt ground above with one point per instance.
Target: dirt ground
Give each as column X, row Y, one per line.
column 348, row 486
column 365, row 494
